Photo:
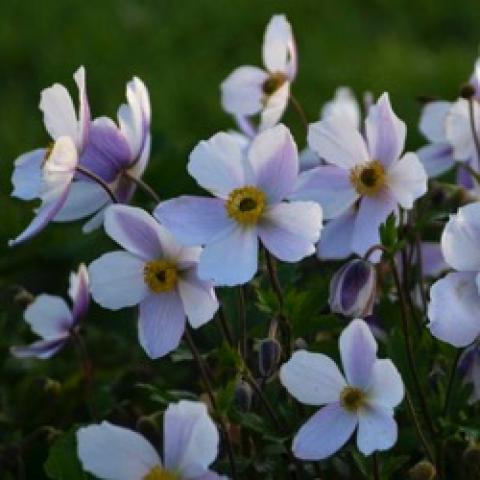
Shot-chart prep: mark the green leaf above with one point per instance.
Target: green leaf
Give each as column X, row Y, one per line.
column 388, row 233
column 62, row 462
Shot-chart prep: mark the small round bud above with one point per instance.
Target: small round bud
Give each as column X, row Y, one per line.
column 467, row 91
column 353, row 289
column 23, row 297
column 242, row 396
column 423, row 470
column 52, row 386
column 269, row 354
column 300, row 344
column 471, row 463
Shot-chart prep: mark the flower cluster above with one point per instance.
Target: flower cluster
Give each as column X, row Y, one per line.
column 267, row 203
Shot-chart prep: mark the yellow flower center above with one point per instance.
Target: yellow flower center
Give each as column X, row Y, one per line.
column 160, row 275
column 245, row 205
column 273, row 83
column 158, row 473
column 352, row 398
column 369, row 178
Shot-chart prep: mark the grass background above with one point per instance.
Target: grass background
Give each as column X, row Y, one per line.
column 182, row 50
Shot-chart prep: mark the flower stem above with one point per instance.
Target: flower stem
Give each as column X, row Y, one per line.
column 143, row 185
column 299, row 110
column 451, row 382
column 208, row 386
column 98, row 180
column 376, row 467
column 224, row 326
column 242, row 315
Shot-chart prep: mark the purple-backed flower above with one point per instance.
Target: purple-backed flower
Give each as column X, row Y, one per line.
column 469, row 369
column 190, row 446
column 155, row 273
column 250, row 90
column 365, row 181
column 250, row 187
column 363, row 399
column 454, row 299
column 48, row 173
column 52, row 319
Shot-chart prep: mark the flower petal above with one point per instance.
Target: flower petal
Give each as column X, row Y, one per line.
column 194, row 220
column 112, row 452
column 231, row 259
column 312, row 378
column 386, row 387
column 459, row 239
column 407, row 180
column 49, row 316
column 116, row 280
column 372, row 213
column 433, row 121
column 27, row 176
column 436, row 158
column 242, row 91
column 385, row 132
column 377, row 430
column 79, row 292
column 198, row 297
column 337, row 236
column 338, row 143
column 135, row 230
column 329, row 186
column 324, row 433
column 41, row 349
column 191, row 439
column 358, row 350
column 453, row 309
column 161, row 323
column 290, row 230
column 83, row 128
column 275, row 105
column 273, row 157
column 345, row 106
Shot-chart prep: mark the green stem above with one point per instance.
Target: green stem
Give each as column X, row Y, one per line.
column 98, row 180
column 144, row 186
column 451, row 382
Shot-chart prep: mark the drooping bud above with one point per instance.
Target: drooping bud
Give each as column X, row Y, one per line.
column 242, row 396
column 269, row 354
column 467, row 91
column 300, row 344
column 423, row 470
column 471, row 463
column 353, row 288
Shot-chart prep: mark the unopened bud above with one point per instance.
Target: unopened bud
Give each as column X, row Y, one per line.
column 300, row 344
column 353, row 289
column 471, row 463
column 242, row 396
column 52, row 386
column 467, row 91
column 269, row 354
column 23, row 297
column 146, row 425
column 423, row 470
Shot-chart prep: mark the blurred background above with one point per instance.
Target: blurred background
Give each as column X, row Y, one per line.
column 182, row 51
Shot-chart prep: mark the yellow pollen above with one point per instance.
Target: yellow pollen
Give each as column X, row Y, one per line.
column 273, row 83
column 158, row 473
column 160, row 275
column 352, row 399
column 368, row 178
column 245, row 205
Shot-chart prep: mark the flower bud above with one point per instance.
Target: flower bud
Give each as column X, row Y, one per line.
column 471, row 463
column 268, row 356
column 300, row 344
column 242, row 396
column 423, row 470
column 353, row 288
column 467, row 91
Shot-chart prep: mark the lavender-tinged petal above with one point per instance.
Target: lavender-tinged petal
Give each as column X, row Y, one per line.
column 211, row 475
column 324, row 433
column 464, row 177
column 245, row 125
column 139, row 166
column 433, row 121
column 83, row 109
column 232, row 258
column 337, row 237
column 433, row 263
column 95, row 222
column 112, row 452
column 308, row 159
column 358, row 350
column 386, row 386
column 312, row 378
column 275, row 106
column 27, row 176
column 278, row 46
column 273, row 158
column 194, row 220
column 377, row 429
column 191, row 439
column 242, row 91
column 329, row 186
column 453, row 309
column 290, row 230
column 161, row 323
column 345, row 106
column 373, row 211
column 198, row 297
column 135, row 230
column 79, row 292
column 385, row 132
column 338, row 143
column 436, row 158
column 41, row 349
